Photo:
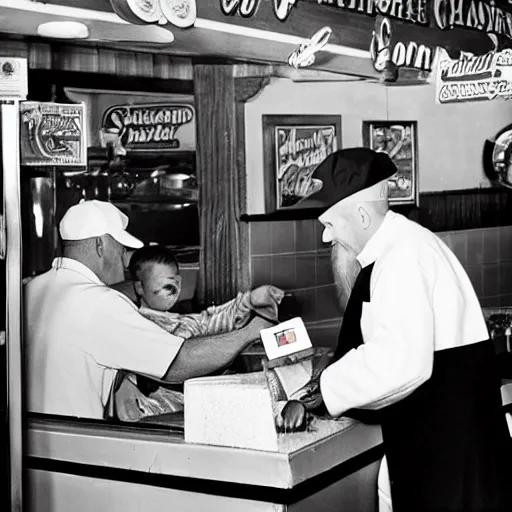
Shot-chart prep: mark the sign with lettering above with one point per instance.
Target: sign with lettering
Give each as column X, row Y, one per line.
column 390, row 57
column 52, row 134
column 146, row 127
column 293, row 147
column 480, row 15
column 474, row 78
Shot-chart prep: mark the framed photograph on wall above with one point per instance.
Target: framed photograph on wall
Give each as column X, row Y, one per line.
column 399, row 140
column 293, row 146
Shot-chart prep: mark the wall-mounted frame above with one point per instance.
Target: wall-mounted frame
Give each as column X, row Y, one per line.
column 293, row 146
column 399, row 140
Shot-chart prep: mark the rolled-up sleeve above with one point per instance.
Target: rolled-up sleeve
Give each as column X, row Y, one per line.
column 398, row 332
column 126, row 340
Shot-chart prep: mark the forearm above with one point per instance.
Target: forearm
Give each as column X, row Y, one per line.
column 204, row 355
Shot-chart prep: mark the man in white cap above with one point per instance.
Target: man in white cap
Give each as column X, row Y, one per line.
column 79, row 332
column 413, row 352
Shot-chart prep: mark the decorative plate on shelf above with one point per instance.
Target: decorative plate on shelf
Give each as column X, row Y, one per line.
column 181, row 13
column 139, row 12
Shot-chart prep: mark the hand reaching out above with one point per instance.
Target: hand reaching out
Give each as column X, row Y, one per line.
column 266, row 299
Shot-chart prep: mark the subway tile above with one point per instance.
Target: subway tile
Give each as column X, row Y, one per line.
column 306, row 301
column 505, row 243
column 283, row 271
column 326, row 303
column 446, row 237
column 474, row 248
column 475, row 273
column 505, row 278
column 305, row 235
column 283, row 236
column 261, row 267
column 490, row 245
column 491, row 280
column 324, row 268
column 459, row 245
column 305, row 270
column 319, row 229
column 260, row 238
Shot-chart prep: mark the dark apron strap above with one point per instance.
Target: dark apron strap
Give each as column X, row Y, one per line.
column 350, row 335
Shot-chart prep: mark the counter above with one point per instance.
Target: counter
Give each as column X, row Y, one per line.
column 89, row 466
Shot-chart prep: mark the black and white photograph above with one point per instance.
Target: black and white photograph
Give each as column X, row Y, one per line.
column 252, row 259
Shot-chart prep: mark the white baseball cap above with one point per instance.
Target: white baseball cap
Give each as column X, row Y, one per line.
column 90, row 219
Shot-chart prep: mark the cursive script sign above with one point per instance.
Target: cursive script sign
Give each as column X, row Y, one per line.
column 480, row 15
column 484, row 77
column 146, row 127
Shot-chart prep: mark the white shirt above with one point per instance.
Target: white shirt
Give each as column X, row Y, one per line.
column 421, row 301
column 78, row 333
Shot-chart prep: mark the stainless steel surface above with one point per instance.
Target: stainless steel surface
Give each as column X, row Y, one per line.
column 159, row 452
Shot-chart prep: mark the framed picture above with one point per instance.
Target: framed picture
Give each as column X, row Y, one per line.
column 399, row 140
column 293, row 146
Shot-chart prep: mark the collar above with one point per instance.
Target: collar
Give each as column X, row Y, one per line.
column 379, row 240
column 76, row 266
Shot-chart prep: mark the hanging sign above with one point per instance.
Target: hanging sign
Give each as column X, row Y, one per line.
column 53, row 134
column 146, row 127
column 390, row 56
column 474, row 78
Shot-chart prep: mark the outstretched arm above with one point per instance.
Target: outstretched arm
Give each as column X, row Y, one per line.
column 204, row 355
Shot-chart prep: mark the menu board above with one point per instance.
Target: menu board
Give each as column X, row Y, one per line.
column 53, row 134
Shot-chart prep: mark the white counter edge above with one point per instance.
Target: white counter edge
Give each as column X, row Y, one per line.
column 163, row 453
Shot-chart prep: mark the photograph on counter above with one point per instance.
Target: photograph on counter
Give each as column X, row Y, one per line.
column 285, row 338
column 293, row 147
column 399, row 140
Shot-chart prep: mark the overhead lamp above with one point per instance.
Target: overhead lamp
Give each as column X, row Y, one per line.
column 63, row 30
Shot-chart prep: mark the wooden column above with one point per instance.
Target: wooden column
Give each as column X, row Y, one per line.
column 225, row 254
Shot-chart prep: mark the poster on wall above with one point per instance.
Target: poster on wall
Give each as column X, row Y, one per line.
column 294, row 145
column 399, row 140
column 53, row 134
column 145, row 127
column 474, row 78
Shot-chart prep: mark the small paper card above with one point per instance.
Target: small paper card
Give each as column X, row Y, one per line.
column 285, row 338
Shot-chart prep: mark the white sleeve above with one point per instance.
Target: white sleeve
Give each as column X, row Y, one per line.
column 122, row 338
column 398, row 332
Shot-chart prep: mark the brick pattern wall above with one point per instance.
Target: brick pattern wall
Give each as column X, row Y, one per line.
column 291, row 255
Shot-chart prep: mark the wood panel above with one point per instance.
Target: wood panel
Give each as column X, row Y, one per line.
column 224, row 261
column 92, row 58
column 437, row 211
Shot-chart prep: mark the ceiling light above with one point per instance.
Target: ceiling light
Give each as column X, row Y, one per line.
column 63, row 30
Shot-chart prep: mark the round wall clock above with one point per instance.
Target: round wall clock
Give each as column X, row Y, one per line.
column 181, row 13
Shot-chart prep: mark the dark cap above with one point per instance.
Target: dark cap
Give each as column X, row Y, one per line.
column 347, row 171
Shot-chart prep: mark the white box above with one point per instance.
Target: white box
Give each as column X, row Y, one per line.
column 230, row 410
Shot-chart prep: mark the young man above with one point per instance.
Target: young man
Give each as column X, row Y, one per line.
column 79, row 332
column 413, row 348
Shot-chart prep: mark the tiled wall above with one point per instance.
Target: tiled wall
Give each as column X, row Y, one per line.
column 486, row 254
column 291, row 255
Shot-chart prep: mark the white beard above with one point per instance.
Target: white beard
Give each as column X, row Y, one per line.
column 345, row 269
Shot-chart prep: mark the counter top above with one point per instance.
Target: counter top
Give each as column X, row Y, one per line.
column 160, row 452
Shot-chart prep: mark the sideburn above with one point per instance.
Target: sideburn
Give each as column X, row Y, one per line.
column 345, row 269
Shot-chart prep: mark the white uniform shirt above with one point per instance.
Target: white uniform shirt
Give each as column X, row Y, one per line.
column 421, row 301
column 78, row 333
